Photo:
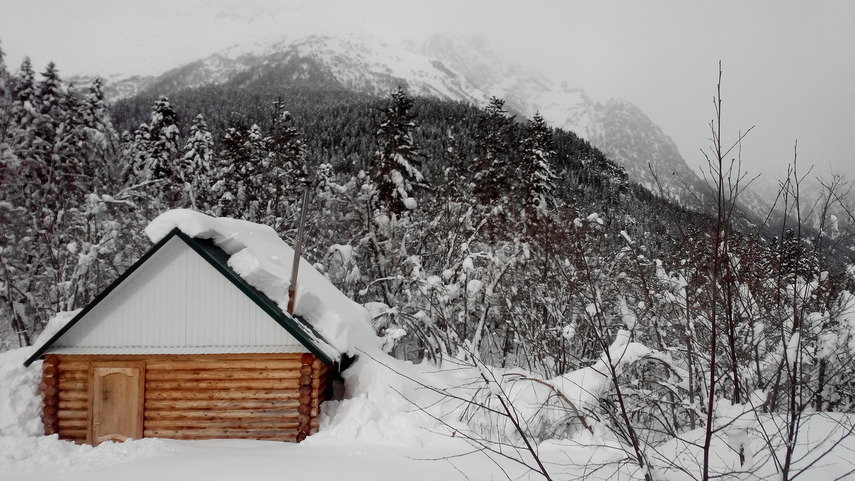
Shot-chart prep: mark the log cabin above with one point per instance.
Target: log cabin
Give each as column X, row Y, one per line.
column 180, row 346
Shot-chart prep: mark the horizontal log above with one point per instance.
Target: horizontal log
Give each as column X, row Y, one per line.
column 255, row 384
column 73, row 376
column 73, row 395
column 73, row 433
column 210, row 394
column 49, row 369
column 222, row 364
column 305, row 369
column 75, row 405
column 49, row 381
column 65, row 366
column 49, row 391
column 50, row 400
column 188, row 414
column 50, row 410
column 292, row 356
column 220, row 404
column 286, row 438
column 303, row 409
column 72, row 385
column 73, row 423
column 270, row 423
column 216, row 374
column 66, row 414
column 219, row 433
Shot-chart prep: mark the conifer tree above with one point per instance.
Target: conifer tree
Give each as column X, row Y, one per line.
column 491, row 172
column 23, row 94
column 253, row 172
column 95, row 112
column 395, row 166
column 197, row 161
column 286, row 146
column 164, row 141
column 536, row 186
column 5, row 96
column 227, row 181
column 23, row 118
column 6, row 154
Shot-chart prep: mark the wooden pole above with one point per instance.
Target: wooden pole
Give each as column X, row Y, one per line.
column 298, row 249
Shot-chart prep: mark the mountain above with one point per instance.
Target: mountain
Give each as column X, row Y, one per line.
column 618, row 128
column 467, row 71
column 117, row 86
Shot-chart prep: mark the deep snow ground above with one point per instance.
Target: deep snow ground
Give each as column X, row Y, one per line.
column 228, row 460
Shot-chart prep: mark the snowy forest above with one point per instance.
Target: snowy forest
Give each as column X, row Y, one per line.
column 474, row 236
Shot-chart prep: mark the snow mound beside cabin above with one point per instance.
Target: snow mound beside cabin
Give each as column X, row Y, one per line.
column 20, row 404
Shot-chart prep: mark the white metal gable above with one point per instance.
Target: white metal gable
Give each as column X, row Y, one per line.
column 176, row 303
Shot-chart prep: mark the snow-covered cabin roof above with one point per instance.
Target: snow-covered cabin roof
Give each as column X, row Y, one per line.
column 252, row 258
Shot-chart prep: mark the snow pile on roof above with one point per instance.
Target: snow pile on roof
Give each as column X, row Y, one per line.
column 259, row 256
column 20, row 405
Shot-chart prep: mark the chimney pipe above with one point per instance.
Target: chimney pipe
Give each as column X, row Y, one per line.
column 298, row 250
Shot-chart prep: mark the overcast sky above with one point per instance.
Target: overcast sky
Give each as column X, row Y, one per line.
column 789, row 67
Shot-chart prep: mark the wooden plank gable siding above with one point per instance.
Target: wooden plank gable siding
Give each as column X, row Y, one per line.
column 248, row 396
column 176, row 303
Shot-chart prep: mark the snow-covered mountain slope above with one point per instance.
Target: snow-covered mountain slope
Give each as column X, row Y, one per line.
column 618, row 128
column 466, row 71
column 361, row 63
column 117, row 86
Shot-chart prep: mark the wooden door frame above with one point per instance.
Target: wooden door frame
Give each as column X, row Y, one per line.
column 140, row 365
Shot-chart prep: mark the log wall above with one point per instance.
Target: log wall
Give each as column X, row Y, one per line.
column 251, row 396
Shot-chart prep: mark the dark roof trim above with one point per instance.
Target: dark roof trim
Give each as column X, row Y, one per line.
column 219, row 260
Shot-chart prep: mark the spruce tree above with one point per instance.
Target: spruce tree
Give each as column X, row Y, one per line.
column 395, row 166
column 96, row 116
column 197, row 160
column 23, row 94
column 6, row 153
column 164, row 141
column 5, row 96
column 227, row 180
column 536, row 184
column 23, row 119
column 253, row 173
column 288, row 165
column 495, row 145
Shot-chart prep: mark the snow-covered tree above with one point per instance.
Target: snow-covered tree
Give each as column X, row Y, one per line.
column 164, row 142
column 197, row 160
column 491, row 172
column 395, row 166
column 536, row 178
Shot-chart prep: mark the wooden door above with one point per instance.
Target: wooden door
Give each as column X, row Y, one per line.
column 117, row 402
